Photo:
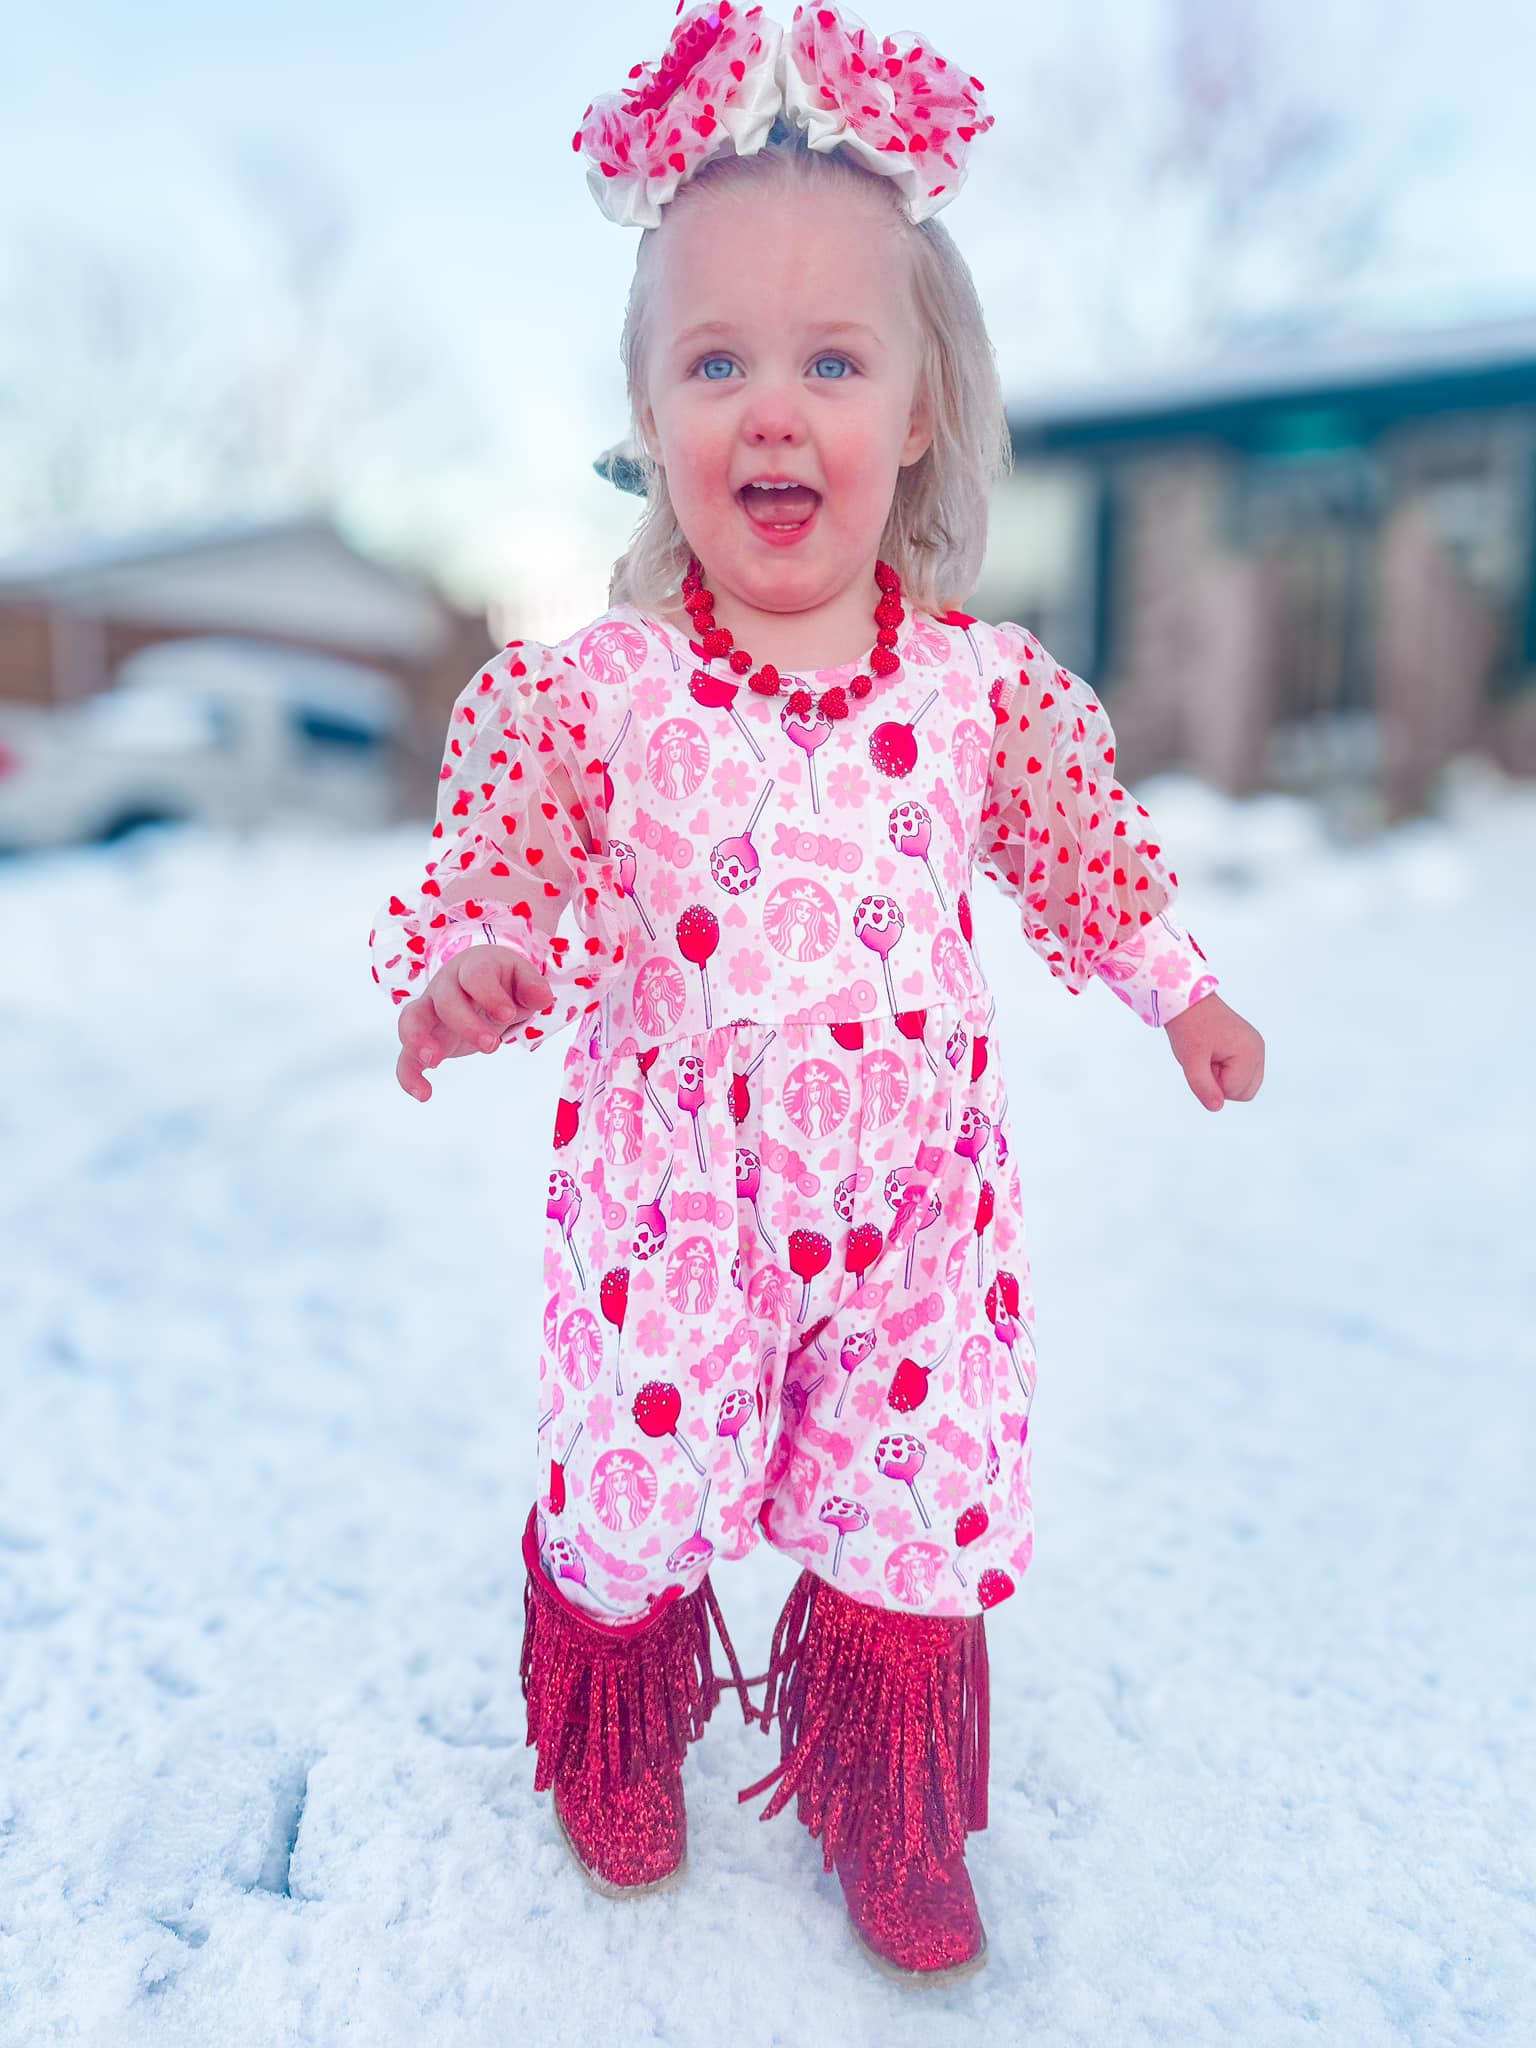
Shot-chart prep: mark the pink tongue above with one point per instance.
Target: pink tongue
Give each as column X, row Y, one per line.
column 775, row 508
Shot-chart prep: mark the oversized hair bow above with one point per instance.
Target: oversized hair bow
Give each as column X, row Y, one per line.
column 895, row 104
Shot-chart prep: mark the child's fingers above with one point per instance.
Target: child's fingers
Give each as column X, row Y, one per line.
column 465, row 1017
column 507, row 987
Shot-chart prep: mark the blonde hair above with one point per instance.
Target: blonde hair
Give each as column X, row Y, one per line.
column 936, row 533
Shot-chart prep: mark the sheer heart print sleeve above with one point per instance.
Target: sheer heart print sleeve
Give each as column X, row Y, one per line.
column 1063, row 836
column 520, row 835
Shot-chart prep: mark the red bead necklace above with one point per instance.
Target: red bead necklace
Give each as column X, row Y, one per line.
column 766, row 680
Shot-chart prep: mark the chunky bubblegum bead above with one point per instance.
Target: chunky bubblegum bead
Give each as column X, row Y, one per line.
column 770, row 675
column 883, row 662
column 886, row 576
column 717, row 640
column 765, row 686
column 886, row 637
column 835, row 703
column 861, row 686
column 889, row 612
column 741, row 661
column 801, row 702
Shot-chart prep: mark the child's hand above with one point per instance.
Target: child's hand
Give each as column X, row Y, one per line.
column 1221, row 1053
column 465, row 1007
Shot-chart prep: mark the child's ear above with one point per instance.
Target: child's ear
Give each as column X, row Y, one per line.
column 919, row 430
column 645, row 436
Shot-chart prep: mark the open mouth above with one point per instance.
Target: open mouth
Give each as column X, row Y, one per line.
column 782, row 508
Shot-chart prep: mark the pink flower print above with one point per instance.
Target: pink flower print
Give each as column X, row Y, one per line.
column 1170, row 969
column 951, row 1491
column 847, row 785
column 654, row 1156
column 922, row 911
column 678, row 1500
column 749, row 971
column 918, row 1114
column 892, row 1523
column 732, row 785
column 650, row 695
column 665, row 894
column 960, row 691
column 786, row 1209
column 551, row 1270
column 600, row 1418
column 869, row 1399
column 651, row 1335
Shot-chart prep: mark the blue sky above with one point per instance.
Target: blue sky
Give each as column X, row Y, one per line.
column 446, row 131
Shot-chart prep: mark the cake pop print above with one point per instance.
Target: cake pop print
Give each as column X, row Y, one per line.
column 968, row 1527
column 878, row 922
column 612, row 755
column 918, row 1207
column 651, row 1222
column 993, row 1586
column 986, row 1201
column 809, row 1254
column 893, row 745
column 909, row 1383
column 656, row 1408
column 862, row 1247
column 731, row 1419
column 563, row 1207
column 698, row 934
column 856, row 1348
column 557, row 1473
column 613, row 1298
column 718, row 693
column 1002, row 1303
column 693, row 1551
column 844, row 1515
column 902, row 1457
column 624, row 854
column 647, row 1059
column 911, row 830
column 734, row 862
column 975, row 1132
column 690, row 1097
column 569, row 1563
column 567, row 1122
column 749, row 1181
column 913, row 1024
column 741, row 1094
column 808, row 727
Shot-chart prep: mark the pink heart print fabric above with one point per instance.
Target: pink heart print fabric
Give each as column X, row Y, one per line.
column 786, row 1281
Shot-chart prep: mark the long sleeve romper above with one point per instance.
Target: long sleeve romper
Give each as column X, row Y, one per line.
column 787, row 1290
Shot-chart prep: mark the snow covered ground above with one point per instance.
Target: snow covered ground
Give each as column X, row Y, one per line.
column 1264, row 1768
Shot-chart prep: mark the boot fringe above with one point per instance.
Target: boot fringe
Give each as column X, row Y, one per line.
column 608, row 1703
column 883, row 1727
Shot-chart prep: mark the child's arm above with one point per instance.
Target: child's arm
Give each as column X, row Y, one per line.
column 1062, row 834
column 521, row 817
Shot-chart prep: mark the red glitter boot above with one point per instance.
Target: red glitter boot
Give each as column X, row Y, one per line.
column 611, row 1711
column 884, row 1742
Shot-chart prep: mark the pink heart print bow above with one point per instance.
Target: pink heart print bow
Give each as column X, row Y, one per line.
column 903, row 111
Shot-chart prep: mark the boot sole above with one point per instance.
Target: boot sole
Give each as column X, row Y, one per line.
column 605, row 1885
column 898, row 1975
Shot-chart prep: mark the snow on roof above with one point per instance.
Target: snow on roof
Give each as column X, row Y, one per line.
column 1352, row 356
column 296, row 574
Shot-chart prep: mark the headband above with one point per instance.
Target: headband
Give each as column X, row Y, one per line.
column 724, row 77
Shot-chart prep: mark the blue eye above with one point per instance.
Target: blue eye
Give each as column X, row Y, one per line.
column 704, row 362
column 835, row 359
column 711, row 359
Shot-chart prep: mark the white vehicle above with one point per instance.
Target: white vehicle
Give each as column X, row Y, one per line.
column 224, row 730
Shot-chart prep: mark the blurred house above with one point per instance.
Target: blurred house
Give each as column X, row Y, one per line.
column 71, row 612
column 1313, row 570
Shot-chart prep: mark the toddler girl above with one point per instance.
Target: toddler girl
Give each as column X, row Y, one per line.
column 788, row 1289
